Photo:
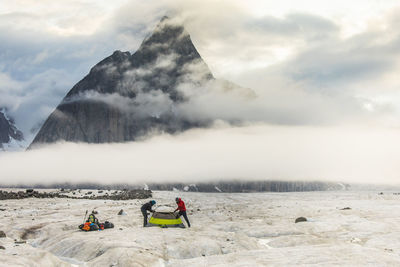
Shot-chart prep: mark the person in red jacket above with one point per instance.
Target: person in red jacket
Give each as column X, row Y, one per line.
column 182, row 209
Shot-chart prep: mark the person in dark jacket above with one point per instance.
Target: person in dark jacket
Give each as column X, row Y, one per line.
column 182, row 210
column 147, row 207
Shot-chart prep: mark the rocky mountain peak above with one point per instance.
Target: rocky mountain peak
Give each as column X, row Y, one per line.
column 8, row 131
column 126, row 96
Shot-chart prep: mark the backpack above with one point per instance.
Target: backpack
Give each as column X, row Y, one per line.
column 107, row 224
column 85, row 227
column 93, row 227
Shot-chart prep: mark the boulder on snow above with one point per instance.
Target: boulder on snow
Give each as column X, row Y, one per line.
column 1, row 247
column 2, row 234
column 122, row 212
column 300, row 219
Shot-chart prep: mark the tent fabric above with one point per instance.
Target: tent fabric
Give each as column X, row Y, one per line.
column 165, row 219
column 164, row 215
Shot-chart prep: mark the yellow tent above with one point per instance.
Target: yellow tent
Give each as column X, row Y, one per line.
column 165, row 220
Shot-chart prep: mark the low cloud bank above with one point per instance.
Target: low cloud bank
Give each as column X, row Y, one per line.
column 254, row 152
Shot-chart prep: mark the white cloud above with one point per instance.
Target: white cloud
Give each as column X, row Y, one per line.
column 254, row 152
column 62, row 18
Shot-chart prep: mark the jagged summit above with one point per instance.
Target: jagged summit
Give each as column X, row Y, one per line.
column 169, row 37
column 166, row 54
column 126, row 95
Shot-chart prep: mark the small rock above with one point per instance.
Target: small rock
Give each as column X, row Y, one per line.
column 121, row 212
column 381, row 193
column 2, row 234
column 1, row 247
column 300, row 219
column 347, row 208
column 20, row 242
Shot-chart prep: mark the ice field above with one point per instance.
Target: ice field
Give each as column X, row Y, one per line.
column 253, row 229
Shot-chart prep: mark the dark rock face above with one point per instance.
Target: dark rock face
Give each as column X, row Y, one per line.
column 301, row 219
column 8, row 130
column 128, row 96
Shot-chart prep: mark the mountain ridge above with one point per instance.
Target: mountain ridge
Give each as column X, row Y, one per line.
column 128, row 96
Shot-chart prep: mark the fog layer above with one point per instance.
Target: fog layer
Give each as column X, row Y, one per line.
column 254, row 152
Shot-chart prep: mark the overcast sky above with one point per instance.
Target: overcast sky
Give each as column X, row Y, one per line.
column 317, row 63
column 336, row 58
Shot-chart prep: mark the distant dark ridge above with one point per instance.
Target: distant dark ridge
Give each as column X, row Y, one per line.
column 76, row 186
column 120, row 195
column 225, row 187
column 251, row 186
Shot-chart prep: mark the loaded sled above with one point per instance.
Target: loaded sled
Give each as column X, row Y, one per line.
column 93, row 224
column 89, row 226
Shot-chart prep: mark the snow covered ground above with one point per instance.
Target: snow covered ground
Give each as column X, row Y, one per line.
column 254, row 229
